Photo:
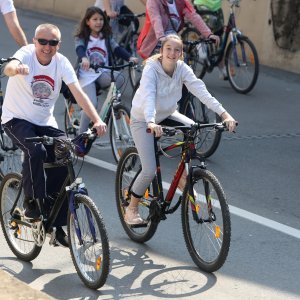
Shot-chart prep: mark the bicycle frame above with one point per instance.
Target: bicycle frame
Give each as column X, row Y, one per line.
column 69, row 190
column 112, row 99
column 229, row 30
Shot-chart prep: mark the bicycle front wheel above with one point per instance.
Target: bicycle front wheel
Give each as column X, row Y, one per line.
column 18, row 236
column 128, row 169
column 242, row 65
column 119, row 131
column 11, row 158
column 206, row 221
column 208, row 139
column 89, row 245
column 71, row 118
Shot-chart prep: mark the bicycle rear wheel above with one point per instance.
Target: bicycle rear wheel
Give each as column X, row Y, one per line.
column 129, row 167
column 192, row 57
column 11, row 158
column 206, row 222
column 91, row 255
column 72, row 118
column 242, row 65
column 119, row 131
column 18, row 236
column 209, row 139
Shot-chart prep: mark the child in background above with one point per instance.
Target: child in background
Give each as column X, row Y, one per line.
column 95, row 46
column 154, row 102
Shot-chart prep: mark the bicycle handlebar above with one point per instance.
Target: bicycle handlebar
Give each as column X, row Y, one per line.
column 122, row 16
column 171, row 131
column 48, row 140
column 95, row 67
column 192, row 43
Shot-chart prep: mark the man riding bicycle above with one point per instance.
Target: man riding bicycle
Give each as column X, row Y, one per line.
column 35, row 73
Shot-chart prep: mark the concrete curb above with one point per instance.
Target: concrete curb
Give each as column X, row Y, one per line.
column 13, row 288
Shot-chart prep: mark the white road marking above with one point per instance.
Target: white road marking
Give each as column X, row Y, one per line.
column 233, row 210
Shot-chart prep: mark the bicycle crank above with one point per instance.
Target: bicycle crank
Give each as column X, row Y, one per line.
column 38, row 233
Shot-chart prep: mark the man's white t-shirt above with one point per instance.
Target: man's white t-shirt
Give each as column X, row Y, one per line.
column 6, row 6
column 32, row 97
column 97, row 54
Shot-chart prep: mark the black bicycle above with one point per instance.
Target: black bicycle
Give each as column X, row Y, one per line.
column 205, row 214
column 11, row 157
column 87, row 235
column 241, row 58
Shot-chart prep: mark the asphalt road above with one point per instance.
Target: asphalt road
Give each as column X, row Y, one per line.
column 259, row 170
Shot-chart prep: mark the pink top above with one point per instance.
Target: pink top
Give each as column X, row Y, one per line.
column 160, row 20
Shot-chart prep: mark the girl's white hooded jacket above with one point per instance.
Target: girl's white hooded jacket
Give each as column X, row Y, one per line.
column 157, row 96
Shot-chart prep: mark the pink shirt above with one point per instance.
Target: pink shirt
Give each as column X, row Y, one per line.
column 160, row 20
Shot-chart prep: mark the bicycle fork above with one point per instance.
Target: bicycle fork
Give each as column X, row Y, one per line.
column 207, row 195
column 77, row 187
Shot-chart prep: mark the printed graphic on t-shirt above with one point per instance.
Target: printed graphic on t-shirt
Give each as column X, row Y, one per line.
column 97, row 56
column 42, row 89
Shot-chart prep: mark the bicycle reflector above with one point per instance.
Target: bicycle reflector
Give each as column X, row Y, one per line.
column 82, row 144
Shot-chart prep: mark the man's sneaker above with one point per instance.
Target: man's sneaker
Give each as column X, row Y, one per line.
column 132, row 216
column 31, row 210
column 61, row 237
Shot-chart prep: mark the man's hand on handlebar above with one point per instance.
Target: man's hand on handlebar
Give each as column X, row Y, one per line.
column 100, row 126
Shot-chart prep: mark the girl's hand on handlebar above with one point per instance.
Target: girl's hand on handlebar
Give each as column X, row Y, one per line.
column 215, row 38
column 85, row 63
column 112, row 14
column 100, row 126
column 156, row 129
column 229, row 121
column 134, row 59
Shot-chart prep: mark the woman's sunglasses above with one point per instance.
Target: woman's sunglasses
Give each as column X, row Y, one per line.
column 44, row 42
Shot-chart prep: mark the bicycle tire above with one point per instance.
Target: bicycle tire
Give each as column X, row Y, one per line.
column 208, row 241
column 18, row 237
column 128, row 168
column 208, row 140
column 192, row 58
column 243, row 77
column 11, row 158
column 124, row 139
column 72, row 119
column 91, row 258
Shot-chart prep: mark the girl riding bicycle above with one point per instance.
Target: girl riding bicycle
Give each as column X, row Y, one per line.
column 156, row 101
column 94, row 47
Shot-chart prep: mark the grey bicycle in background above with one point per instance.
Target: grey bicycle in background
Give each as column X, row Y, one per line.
column 11, row 157
column 239, row 52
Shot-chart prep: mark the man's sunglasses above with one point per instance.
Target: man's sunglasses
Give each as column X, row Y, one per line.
column 44, row 42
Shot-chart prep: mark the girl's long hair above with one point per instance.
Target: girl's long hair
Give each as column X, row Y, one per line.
column 84, row 30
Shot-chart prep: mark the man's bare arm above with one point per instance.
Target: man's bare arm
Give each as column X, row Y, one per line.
column 14, row 28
